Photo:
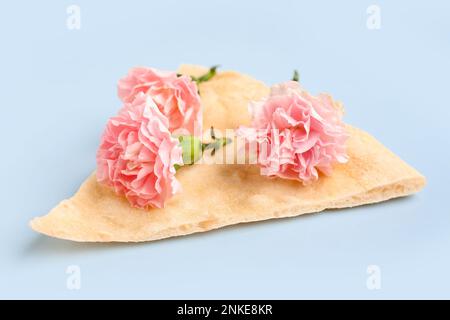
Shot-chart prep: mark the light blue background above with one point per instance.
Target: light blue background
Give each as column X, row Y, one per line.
column 58, row 87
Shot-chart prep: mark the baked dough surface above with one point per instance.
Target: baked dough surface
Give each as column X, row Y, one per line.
column 215, row 196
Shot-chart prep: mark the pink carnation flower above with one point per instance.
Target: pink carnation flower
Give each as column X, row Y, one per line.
column 137, row 154
column 296, row 134
column 176, row 97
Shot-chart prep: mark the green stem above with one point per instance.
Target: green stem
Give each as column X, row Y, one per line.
column 296, row 76
column 207, row 76
column 215, row 145
column 193, row 148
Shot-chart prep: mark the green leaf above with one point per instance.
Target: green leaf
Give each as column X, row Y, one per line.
column 296, row 76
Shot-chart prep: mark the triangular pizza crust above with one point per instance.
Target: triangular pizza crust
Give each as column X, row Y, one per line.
column 215, row 196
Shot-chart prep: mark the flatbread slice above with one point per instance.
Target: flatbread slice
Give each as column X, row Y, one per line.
column 215, row 196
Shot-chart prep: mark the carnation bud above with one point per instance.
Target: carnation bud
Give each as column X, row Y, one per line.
column 192, row 149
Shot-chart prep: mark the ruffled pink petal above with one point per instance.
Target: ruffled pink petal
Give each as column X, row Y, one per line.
column 297, row 134
column 137, row 154
column 175, row 96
